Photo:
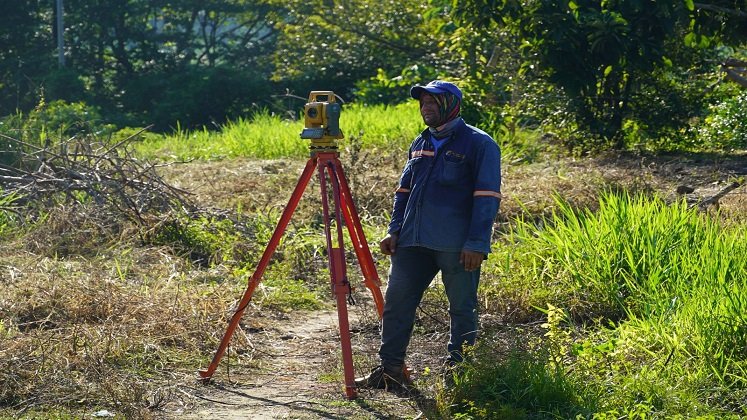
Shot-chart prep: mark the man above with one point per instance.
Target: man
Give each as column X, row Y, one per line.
column 444, row 208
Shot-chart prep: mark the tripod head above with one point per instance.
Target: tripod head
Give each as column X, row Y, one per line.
column 322, row 121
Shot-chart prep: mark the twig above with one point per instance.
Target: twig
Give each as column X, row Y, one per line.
column 108, row 174
column 719, row 9
column 714, row 199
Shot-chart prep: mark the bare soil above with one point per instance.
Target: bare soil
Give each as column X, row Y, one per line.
column 298, row 375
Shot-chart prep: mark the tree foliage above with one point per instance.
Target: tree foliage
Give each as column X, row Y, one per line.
column 619, row 70
column 25, row 40
column 596, row 52
column 338, row 43
column 144, row 61
column 606, row 57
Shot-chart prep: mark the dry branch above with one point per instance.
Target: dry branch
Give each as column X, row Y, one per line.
column 722, row 10
column 713, row 200
column 82, row 170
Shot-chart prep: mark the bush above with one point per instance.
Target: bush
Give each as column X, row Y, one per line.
column 55, row 120
column 661, row 110
column 46, row 125
column 383, row 89
column 205, row 241
column 726, row 127
column 195, row 97
column 64, row 84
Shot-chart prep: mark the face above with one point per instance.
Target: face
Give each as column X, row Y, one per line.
column 429, row 110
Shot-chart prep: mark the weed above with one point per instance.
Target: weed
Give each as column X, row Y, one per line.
column 205, row 240
column 514, row 385
column 662, row 289
column 8, row 213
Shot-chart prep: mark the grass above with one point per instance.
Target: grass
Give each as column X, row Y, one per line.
column 268, row 136
column 81, row 332
column 654, row 297
column 7, row 217
column 98, row 325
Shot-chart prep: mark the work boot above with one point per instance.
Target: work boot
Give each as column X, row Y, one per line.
column 383, row 378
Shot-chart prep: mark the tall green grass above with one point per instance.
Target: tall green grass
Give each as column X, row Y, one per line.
column 268, row 136
column 658, row 293
column 633, row 256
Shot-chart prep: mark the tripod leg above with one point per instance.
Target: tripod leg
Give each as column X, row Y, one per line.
column 340, row 284
column 360, row 245
column 257, row 276
column 365, row 260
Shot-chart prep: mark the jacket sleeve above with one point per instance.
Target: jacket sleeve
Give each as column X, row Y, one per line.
column 401, row 196
column 486, row 197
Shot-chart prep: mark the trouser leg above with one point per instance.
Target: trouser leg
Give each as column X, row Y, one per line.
column 411, row 272
column 461, row 290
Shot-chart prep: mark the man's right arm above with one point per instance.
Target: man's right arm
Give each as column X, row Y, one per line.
column 401, row 196
column 388, row 245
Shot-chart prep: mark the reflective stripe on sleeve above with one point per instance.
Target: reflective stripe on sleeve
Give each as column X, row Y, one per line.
column 486, row 193
column 403, row 190
column 418, row 153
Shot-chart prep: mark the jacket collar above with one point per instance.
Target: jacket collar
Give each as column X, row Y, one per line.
column 453, row 126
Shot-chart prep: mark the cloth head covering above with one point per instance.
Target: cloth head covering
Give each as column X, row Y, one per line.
column 436, row 87
column 447, row 96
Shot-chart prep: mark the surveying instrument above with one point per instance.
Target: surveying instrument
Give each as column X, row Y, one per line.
column 322, row 127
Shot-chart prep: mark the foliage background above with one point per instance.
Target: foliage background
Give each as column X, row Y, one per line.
column 626, row 74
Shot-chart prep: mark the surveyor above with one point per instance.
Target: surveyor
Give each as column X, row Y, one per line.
column 444, row 208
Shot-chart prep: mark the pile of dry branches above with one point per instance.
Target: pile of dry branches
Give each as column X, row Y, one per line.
column 86, row 171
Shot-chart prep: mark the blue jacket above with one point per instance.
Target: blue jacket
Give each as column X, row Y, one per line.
column 448, row 200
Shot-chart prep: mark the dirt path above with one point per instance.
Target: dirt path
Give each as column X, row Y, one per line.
column 298, row 376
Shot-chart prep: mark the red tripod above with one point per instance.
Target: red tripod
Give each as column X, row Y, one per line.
column 330, row 170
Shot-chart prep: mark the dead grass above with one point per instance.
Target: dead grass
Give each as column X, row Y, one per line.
column 107, row 331
column 530, row 188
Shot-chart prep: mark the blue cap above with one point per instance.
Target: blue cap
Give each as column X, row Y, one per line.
column 436, row 87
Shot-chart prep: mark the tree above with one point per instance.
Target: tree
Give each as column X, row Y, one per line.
column 25, row 52
column 598, row 53
column 145, row 61
column 606, row 54
column 160, row 61
column 334, row 44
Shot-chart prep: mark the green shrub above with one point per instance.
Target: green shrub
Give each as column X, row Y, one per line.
column 204, row 240
column 49, row 122
column 65, row 83
column 726, row 126
column 193, row 98
column 384, row 89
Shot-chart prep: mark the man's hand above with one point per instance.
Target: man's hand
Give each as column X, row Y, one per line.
column 471, row 259
column 389, row 244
